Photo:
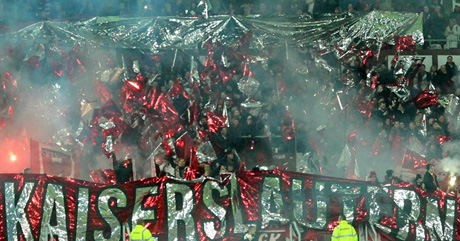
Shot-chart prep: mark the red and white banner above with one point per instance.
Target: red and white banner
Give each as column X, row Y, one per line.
column 35, row 207
column 48, row 159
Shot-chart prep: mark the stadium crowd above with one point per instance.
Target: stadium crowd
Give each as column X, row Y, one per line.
column 378, row 123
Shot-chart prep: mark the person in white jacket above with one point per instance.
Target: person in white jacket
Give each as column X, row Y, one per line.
column 452, row 34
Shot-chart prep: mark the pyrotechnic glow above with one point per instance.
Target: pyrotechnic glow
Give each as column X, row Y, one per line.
column 12, row 157
column 452, row 180
column 134, row 84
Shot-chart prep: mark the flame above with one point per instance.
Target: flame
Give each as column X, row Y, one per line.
column 134, row 84
column 452, row 180
column 13, row 157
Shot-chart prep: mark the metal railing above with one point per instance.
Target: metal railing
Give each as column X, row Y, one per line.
column 442, row 43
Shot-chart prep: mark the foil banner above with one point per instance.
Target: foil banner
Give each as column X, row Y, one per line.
column 152, row 35
column 205, row 152
column 36, row 206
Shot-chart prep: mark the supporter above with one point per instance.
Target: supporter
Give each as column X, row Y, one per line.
column 412, row 129
column 395, row 130
column 235, row 134
column 442, row 121
column 382, row 112
column 451, row 67
column 232, row 166
column 430, row 180
column 436, row 130
column 165, row 167
column 391, row 179
column 350, row 9
column 442, row 80
column 425, row 85
column 180, row 169
column 456, row 13
column 229, row 159
column 263, row 10
column 203, row 123
column 279, row 10
column 433, row 71
column 427, row 25
column 221, row 141
column 337, row 10
column 418, row 182
column 422, row 75
column 123, row 169
column 452, row 34
column 414, row 86
column 372, row 178
column 207, row 170
column 437, row 24
column 403, row 115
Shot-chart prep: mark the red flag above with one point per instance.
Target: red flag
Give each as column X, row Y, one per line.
column 185, row 148
column 411, row 164
column 425, row 99
column 169, row 115
column 404, row 43
column 215, row 122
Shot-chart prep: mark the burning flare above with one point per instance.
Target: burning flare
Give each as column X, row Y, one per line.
column 13, row 157
column 452, row 180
